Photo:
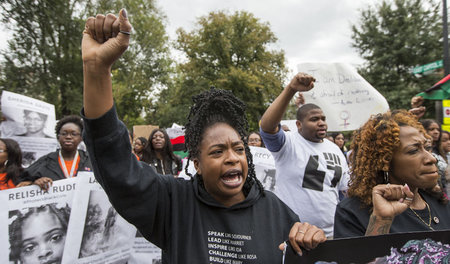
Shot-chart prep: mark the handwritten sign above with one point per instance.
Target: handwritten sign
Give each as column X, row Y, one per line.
column 345, row 97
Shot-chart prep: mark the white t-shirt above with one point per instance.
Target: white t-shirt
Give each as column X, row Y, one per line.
column 309, row 176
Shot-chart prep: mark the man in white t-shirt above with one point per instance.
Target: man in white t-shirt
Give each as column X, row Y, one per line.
column 310, row 170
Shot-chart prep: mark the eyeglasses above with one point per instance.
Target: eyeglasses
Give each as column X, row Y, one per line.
column 3, row 150
column 254, row 140
column 65, row 134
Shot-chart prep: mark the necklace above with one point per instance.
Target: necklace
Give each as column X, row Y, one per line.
column 429, row 215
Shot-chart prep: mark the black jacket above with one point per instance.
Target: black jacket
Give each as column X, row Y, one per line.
column 48, row 166
column 180, row 216
column 351, row 218
column 172, row 167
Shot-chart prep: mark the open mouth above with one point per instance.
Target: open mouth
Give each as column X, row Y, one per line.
column 232, row 178
column 322, row 131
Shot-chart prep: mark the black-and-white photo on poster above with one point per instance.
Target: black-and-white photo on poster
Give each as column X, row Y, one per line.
column 31, row 123
column 101, row 232
column 34, row 222
column 37, row 234
column 26, row 116
column 96, row 233
column 144, row 252
column 264, row 167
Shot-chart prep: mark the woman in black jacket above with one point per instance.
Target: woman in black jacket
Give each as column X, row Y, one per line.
column 158, row 152
column 226, row 216
column 65, row 162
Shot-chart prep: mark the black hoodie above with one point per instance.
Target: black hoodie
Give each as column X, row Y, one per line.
column 180, row 216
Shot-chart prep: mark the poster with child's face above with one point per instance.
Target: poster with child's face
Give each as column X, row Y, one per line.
column 34, row 222
column 38, row 234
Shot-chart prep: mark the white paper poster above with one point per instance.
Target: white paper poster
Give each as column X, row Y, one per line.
column 264, row 167
column 26, row 116
column 346, row 99
column 34, row 148
column 144, row 252
column 34, row 222
column 31, row 123
column 96, row 233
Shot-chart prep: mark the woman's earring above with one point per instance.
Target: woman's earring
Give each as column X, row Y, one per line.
column 386, row 177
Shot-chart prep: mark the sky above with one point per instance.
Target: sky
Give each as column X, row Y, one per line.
column 307, row 30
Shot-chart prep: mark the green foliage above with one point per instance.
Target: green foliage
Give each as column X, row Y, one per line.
column 43, row 59
column 228, row 52
column 145, row 66
column 394, row 37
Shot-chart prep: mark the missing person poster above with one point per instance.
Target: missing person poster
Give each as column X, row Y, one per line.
column 264, row 167
column 26, row 116
column 96, row 232
column 347, row 100
column 34, row 222
column 31, row 123
column 33, row 149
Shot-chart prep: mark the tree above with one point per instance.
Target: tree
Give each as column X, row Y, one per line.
column 44, row 55
column 145, row 68
column 393, row 37
column 228, row 52
column 43, row 59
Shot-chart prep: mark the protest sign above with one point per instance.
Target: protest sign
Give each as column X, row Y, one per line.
column 144, row 252
column 33, row 220
column 34, row 148
column 96, row 233
column 264, row 167
column 26, row 116
column 360, row 249
column 291, row 124
column 191, row 170
column 143, row 131
column 31, row 123
column 346, row 99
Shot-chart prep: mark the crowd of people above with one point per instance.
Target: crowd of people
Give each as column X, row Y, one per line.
column 391, row 178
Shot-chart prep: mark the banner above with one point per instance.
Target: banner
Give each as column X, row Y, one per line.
column 361, row 249
column 346, row 99
column 96, row 233
column 34, row 222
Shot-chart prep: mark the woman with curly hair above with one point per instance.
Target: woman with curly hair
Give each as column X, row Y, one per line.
column 223, row 214
column 392, row 177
